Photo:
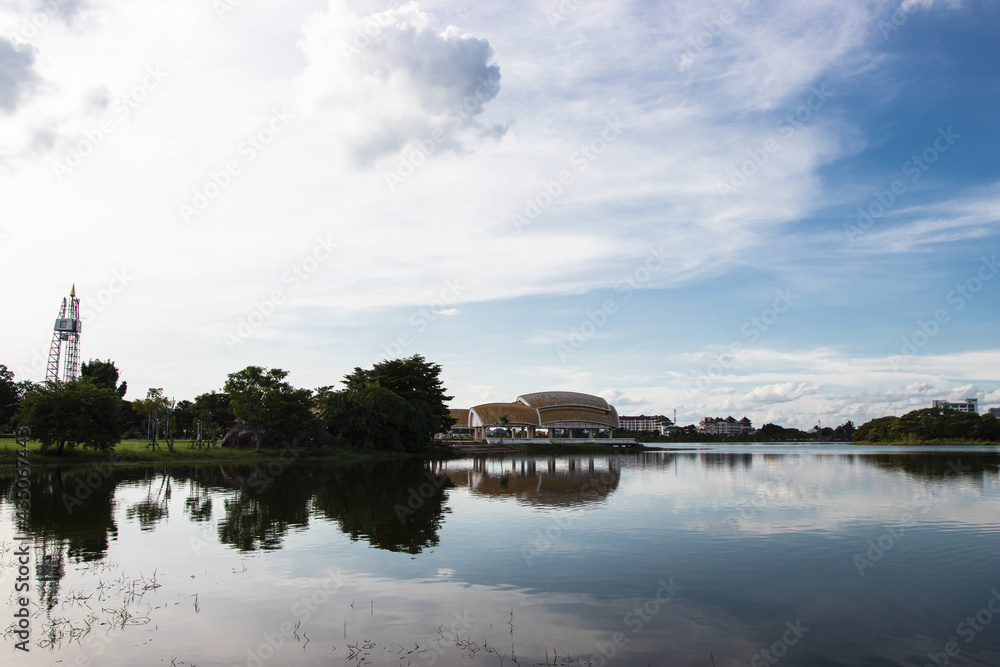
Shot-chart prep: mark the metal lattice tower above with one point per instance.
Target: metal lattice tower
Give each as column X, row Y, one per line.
column 67, row 329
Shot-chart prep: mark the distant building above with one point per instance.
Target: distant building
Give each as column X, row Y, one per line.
column 655, row 423
column 727, row 426
column 995, row 412
column 968, row 405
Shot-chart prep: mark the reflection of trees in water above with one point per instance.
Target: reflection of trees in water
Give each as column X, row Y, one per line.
column 75, row 508
column 548, row 482
column 938, row 465
column 265, row 506
column 70, row 518
column 395, row 505
column 154, row 508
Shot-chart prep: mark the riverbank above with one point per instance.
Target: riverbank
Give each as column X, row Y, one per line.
column 555, row 447
column 134, row 452
column 939, row 442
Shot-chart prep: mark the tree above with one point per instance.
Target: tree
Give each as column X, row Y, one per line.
column 372, row 417
column 264, row 401
column 9, row 395
column 184, row 417
column 66, row 414
column 213, row 410
column 155, row 406
column 930, row 424
column 416, row 381
column 103, row 374
column 844, row 432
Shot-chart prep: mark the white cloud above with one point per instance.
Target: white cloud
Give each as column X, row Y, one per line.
column 391, row 79
column 17, row 73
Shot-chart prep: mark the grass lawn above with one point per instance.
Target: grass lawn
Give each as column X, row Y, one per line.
column 134, row 451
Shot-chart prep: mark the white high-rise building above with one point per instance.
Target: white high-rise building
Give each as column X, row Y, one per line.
column 968, row 405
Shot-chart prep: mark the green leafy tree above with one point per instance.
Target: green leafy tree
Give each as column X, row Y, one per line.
column 66, row 414
column 844, row 432
column 264, row 401
column 214, row 411
column 416, row 381
column 155, row 406
column 103, row 374
column 876, row 430
column 372, row 417
column 184, row 417
column 9, row 395
column 930, row 424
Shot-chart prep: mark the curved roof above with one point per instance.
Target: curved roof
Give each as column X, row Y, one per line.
column 557, row 415
column 461, row 417
column 518, row 414
column 544, row 400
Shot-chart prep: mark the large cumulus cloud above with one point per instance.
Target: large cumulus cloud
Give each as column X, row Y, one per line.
column 17, row 73
column 391, row 79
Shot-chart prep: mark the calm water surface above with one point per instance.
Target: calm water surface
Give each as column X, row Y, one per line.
column 741, row 555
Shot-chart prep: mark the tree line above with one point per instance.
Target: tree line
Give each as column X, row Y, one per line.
column 396, row 405
column 930, row 424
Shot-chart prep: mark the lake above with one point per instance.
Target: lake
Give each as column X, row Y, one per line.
column 693, row 555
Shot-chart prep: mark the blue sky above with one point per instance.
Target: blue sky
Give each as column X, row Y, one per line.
column 659, row 203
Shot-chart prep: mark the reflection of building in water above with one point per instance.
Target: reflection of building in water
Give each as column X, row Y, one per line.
column 718, row 460
column 552, row 482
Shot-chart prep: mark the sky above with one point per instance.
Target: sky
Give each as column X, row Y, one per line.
column 782, row 210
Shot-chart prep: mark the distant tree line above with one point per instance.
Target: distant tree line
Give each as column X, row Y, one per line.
column 930, row 424
column 766, row 433
column 397, row 405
